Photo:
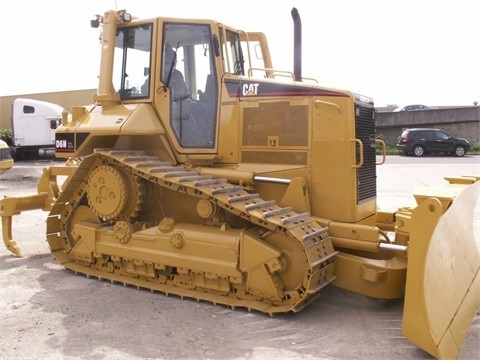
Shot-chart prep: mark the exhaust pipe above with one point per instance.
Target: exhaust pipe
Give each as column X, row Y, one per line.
column 297, row 45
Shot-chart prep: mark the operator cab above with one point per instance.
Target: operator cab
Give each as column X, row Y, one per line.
column 185, row 88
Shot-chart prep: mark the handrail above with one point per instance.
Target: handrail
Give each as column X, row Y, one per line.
column 384, row 151
column 272, row 72
column 360, row 144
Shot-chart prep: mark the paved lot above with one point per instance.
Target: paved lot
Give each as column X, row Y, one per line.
column 49, row 313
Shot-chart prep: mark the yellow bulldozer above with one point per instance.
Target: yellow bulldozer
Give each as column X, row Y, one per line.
column 202, row 171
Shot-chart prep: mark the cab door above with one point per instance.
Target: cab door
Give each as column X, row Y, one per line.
column 186, row 92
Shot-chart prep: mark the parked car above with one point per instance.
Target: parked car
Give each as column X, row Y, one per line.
column 415, row 107
column 421, row 141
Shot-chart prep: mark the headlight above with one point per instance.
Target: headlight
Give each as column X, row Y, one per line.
column 126, row 17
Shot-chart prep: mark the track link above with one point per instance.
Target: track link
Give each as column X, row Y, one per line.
column 301, row 228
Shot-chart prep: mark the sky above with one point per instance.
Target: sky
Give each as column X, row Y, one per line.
column 395, row 51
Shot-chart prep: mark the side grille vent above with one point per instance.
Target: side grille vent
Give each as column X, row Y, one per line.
column 365, row 131
column 275, row 157
column 276, row 119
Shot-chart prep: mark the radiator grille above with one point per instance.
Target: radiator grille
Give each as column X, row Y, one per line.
column 365, row 132
column 275, row 119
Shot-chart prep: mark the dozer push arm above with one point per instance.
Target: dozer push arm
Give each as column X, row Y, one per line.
column 48, row 191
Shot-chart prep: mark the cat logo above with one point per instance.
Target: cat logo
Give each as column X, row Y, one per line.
column 250, row 89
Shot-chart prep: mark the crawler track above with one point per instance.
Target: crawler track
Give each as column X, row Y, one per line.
column 311, row 241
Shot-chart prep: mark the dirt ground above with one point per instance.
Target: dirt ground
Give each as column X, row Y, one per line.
column 47, row 312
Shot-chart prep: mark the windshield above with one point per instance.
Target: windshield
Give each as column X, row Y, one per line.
column 131, row 68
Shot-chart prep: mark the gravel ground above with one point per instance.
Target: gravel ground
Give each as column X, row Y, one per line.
column 47, row 312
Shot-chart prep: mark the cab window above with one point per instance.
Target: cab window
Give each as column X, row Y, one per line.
column 131, row 67
column 233, row 60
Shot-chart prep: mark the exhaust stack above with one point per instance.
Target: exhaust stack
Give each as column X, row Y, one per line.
column 297, row 45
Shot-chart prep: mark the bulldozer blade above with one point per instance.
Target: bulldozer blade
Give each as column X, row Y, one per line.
column 442, row 291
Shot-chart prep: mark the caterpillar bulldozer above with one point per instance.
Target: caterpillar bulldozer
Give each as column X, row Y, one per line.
column 200, row 170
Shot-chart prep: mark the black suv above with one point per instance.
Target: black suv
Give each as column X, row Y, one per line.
column 421, row 141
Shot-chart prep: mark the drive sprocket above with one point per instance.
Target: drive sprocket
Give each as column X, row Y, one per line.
column 113, row 193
